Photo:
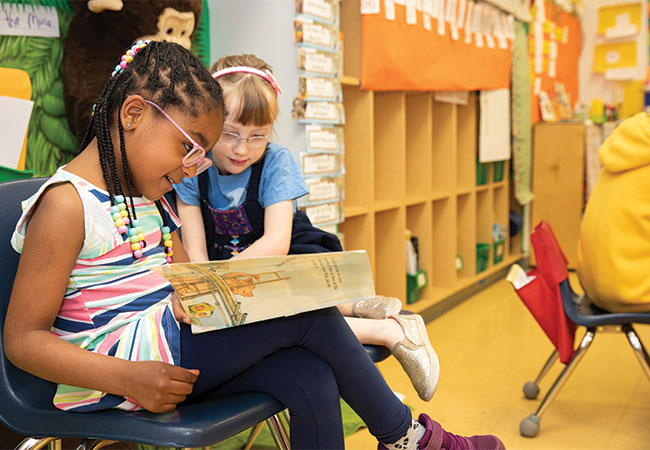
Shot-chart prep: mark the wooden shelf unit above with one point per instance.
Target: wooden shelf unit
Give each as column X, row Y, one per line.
column 411, row 164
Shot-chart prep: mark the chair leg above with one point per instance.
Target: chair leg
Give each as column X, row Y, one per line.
column 279, row 432
column 639, row 349
column 94, row 444
column 35, row 443
column 531, row 388
column 256, row 431
column 529, row 427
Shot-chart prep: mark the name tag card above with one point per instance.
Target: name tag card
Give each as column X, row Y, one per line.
column 21, row 20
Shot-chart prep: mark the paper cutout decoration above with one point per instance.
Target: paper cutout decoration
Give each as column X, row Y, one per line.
column 15, row 98
column 617, row 55
column 619, row 21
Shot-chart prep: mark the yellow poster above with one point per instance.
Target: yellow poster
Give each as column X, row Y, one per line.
column 617, row 55
column 619, row 20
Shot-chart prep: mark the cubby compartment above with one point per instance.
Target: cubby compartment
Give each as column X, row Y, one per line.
column 358, row 134
column 444, row 243
column 501, row 226
column 443, row 178
column 389, row 148
column 484, row 221
column 466, row 236
column 418, row 146
column 467, row 145
column 419, row 223
column 390, row 261
column 359, row 234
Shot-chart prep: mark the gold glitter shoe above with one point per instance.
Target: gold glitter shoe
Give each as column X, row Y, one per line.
column 378, row 307
column 416, row 355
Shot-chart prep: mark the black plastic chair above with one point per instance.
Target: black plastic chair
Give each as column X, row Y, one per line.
column 582, row 311
column 26, row 401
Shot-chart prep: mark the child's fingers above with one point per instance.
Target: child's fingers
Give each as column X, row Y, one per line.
column 179, row 313
column 184, row 375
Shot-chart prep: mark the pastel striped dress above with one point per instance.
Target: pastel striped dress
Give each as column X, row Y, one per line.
column 113, row 304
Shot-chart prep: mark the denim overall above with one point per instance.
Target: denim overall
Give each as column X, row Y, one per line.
column 230, row 231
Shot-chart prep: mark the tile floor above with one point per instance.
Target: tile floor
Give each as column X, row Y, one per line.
column 490, row 345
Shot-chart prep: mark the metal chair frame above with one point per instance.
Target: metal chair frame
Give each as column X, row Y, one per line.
column 582, row 311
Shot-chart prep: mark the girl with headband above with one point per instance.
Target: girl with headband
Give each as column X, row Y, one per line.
column 243, row 206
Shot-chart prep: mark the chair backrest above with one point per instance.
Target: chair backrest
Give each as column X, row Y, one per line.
column 16, row 386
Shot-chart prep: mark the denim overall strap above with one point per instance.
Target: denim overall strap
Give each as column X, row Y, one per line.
column 232, row 230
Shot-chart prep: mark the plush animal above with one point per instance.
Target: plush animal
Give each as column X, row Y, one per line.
column 101, row 31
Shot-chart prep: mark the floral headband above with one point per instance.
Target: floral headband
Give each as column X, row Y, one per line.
column 266, row 74
column 128, row 56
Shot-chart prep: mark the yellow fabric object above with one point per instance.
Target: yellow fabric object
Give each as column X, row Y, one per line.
column 614, row 247
column 16, row 83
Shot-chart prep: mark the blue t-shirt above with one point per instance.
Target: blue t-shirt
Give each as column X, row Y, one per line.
column 280, row 180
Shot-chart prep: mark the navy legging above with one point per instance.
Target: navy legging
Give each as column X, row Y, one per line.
column 304, row 361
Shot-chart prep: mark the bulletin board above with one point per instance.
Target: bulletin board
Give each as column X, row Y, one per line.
column 400, row 56
column 554, row 25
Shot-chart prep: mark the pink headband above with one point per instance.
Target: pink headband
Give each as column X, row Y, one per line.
column 266, row 74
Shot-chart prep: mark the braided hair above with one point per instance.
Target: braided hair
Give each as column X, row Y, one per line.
column 170, row 76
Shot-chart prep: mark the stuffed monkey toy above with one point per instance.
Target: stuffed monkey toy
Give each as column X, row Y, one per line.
column 101, row 31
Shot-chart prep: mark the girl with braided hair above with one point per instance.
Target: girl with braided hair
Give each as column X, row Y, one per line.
column 111, row 332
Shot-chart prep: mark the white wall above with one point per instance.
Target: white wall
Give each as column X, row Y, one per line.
column 593, row 85
column 263, row 28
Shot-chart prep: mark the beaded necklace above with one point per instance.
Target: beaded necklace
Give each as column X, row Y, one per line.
column 130, row 229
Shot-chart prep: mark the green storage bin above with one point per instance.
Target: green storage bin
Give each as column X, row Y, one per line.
column 482, row 257
column 7, row 174
column 499, row 168
column 482, row 171
column 498, row 250
column 413, row 285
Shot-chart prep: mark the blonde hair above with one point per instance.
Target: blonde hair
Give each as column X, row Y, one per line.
column 251, row 98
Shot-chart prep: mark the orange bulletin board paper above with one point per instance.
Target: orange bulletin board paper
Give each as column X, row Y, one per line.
column 568, row 52
column 399, row 56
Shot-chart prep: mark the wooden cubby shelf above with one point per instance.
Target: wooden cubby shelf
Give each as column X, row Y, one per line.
column 411, row 163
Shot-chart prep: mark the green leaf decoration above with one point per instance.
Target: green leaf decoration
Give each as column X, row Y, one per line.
column 201, row 38
column 50, row 143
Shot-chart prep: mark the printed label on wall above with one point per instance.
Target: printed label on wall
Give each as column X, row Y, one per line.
column 326, row 213
column 319, row 88
column 323, row 189
column 312, row 61
column 320, row 163
column 328, row 139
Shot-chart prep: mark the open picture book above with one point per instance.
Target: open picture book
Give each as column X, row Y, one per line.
column 223, row 294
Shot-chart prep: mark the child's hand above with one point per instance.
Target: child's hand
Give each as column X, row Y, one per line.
column 158, row 386
column 179, row 312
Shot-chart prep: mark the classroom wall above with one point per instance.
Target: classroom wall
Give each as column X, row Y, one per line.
column 592, row 85
column 264, row 28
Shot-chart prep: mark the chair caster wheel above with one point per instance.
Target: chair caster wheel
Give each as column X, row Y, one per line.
column 529, row 427
column 531, row 390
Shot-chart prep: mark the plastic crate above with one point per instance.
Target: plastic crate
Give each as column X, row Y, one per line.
column 7, row 174
column 499, row 168
column 482, row 257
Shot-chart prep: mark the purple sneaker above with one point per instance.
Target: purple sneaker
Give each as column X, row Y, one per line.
column 435, row 438
column 443, row 440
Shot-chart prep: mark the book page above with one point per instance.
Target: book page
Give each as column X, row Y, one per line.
column 223, row 294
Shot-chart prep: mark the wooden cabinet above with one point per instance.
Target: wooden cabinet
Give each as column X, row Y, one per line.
column 558, row 181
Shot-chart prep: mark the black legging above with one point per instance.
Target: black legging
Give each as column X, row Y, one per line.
column 305, row 362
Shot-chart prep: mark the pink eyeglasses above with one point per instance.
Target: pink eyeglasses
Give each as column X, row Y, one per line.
column 195, row 156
